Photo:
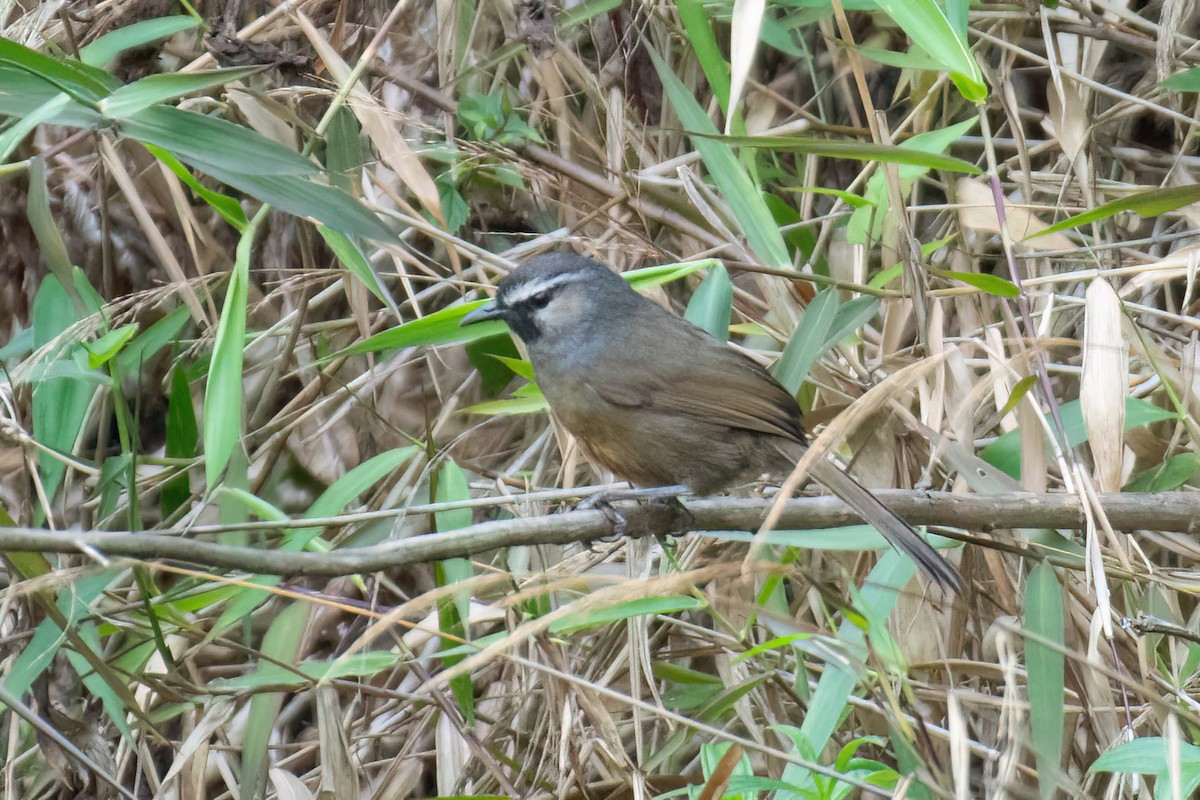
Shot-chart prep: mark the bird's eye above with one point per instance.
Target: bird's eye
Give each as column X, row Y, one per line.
column 540, row 300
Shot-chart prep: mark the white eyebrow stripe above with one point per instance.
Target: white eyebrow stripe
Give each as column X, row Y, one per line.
column 525, row 291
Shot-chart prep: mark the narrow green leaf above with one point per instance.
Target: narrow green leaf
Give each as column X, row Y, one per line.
column 223, row 393
column 229, row 208
column 698, row 29
column 68, row 75
column 1186, row 81
column 352, row 258
column 104, row 349
column 454, row 613
column 1145, row 204
column 990, row 284
column 927, row 26
column 1044, row 666
column 208, row 141
column 650, row 277
column 162, row 333
column 1018, row 394
column 799, row 354
column 60, row 404
column 1146, row 755
column 183, row 437
column 1167, row 476
column 582, row 12
column 849, row 317
column 280, row 644
column 1005, row 452
column 730, row 176
column 711, row 305
column 881, row 589
column 24, row 126
column 854, row 150
column 160, row 88
column 618, row 612
column 440, row 327
column 513, row 406
column 107, row 47
column 50, row 241
column 306, row 198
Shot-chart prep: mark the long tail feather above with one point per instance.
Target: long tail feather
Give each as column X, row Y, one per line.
column 895, row 529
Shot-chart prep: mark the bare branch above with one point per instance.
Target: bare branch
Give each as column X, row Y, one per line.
column 1173, row 511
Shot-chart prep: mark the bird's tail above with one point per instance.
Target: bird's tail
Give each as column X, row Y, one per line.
column 895, row 529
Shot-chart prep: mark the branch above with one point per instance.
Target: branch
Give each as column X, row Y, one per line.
column 1169, row 511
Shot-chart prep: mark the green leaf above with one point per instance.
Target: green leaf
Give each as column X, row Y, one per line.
column 229, row 208
column 513, row 406
column 273, row 676
column 1044, row 666
column 352, row 258
column 698, row 29
column 280, row 644
column 60, row 404
column 156, row 337
column 799, row 354
column 650, row 277
column 440, row 327
column 1186, row 81
column 1005, row 452
column 867, row 222
column 104, row 349
column 849, row 317
column 1146, row 755
column 23, row 93
column 730, row 176
column 107, row 47
column 849, row 149
column 645, row 606
column 183, row 437
column 1167, row 476
column 849, row 198
column 67, row 75
column 1145, row 204
column 209, row 143
column 154, row 89
column 881, row 590
column 223, row 393
column 50, row 110
column 454, row 612
column 927, row 26
column 991, row 284
column 1018, row 394
column 711, row 305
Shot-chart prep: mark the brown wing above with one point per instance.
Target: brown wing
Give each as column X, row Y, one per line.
column 697, row 376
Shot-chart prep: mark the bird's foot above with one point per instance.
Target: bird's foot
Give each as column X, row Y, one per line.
column 604, row 502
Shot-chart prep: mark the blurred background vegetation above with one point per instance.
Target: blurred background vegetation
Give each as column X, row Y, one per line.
column 235, row 243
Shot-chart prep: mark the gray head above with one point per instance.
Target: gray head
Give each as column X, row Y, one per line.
column 551, row 299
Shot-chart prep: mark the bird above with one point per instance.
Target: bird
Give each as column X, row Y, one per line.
column 660, row 402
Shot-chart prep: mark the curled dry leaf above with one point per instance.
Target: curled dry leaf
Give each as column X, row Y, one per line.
column 1104, row 383
column 977, row 211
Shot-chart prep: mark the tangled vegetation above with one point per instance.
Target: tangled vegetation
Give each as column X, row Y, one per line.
column 276, row 525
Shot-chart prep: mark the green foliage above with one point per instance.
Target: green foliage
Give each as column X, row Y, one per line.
column 491, row 118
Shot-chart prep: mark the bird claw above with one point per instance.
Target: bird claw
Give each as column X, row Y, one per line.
column 603, row 502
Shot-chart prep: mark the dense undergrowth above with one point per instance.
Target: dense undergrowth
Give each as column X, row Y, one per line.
column 235, row 245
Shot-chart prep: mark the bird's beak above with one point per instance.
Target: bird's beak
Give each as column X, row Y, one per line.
column 484, row 313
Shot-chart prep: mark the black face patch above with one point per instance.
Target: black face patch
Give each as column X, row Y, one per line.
column 522, row 316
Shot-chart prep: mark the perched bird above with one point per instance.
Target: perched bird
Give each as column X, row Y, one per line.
column 660, row 402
